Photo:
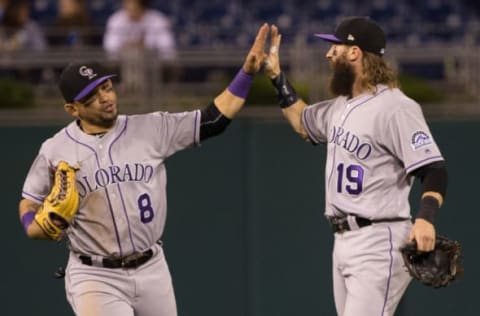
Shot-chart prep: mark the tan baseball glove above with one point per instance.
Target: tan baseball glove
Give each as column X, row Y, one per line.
column 61, row 204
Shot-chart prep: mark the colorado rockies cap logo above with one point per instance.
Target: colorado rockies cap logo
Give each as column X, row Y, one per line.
column 420, row 139
column 87, row 72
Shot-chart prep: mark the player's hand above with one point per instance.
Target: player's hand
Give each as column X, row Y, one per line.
column 423, row 233
column 272, row 62
column 256, row 55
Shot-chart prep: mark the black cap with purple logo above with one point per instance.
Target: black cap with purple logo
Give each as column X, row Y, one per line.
column 79, row 79
column 360, row 31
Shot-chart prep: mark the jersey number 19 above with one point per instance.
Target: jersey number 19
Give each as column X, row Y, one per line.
column 353, row 175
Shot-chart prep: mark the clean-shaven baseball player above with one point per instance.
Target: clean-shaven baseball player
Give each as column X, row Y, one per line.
column 377, row 143
column 116, row 264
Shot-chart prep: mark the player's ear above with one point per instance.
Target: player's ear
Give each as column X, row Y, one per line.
column 71, row 109
column 354, row 53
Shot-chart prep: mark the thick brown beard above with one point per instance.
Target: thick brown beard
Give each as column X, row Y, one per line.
column 342, row 78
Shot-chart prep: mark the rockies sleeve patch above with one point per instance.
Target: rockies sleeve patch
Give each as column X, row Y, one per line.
column 420, row 139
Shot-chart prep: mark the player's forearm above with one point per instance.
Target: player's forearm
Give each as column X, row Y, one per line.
column 231, row 100
column 434, row 187
column 218, row 115
column 292, row 106
column 293, row 114
column 27, row 210
column 430, row 203
column 229, row 104
column 437, row 196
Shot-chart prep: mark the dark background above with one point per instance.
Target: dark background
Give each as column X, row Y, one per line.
column 245, row 232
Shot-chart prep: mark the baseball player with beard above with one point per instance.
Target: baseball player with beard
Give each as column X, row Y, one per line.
column 116, row 264
column 377, row 143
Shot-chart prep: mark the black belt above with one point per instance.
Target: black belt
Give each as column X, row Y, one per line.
column 340, row 224
column 131, row 261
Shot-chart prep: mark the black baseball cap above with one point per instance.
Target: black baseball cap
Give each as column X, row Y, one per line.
column 78, row 79
column 360, row 31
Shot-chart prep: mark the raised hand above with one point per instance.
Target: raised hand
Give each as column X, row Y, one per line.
column 256, row 56
column 272, row 62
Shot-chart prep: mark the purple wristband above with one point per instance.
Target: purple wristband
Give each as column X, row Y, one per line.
column 27, row 219
column 240, row 85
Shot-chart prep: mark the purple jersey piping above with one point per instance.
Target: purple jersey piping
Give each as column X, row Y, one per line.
column 118, row 184
column 389, row 270
column 420, row 163
column 308, row 128
column 343, row 122
column 106, row 190
column 32, row 196
column 333, row 163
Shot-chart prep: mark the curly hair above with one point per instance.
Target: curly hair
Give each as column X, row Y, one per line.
column 376, row 71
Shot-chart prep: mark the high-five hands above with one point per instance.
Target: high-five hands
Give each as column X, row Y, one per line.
column 256, row 56
column 272, row 61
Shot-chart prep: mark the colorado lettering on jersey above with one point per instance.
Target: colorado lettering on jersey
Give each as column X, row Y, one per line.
column 350, row 142
column 114, row 174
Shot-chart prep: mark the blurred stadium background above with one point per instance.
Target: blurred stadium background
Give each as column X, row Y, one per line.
column 257, row 254
column 433, row 43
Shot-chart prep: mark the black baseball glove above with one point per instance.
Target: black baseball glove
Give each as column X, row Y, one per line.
column 437, row 268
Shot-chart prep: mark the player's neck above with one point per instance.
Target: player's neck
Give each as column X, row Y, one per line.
column 92, row 129
column 357, row 89
column 361, row 88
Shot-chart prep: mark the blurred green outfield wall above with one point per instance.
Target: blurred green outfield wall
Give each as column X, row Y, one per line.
column 245, row 233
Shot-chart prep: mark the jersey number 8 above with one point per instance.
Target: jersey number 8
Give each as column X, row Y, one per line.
column 145, row 207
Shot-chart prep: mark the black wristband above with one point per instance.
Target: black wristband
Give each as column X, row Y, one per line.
column 428, row 208
column 285, row 92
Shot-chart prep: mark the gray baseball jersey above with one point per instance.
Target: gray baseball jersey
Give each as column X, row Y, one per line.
column 121, row 180
column 373, row 142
